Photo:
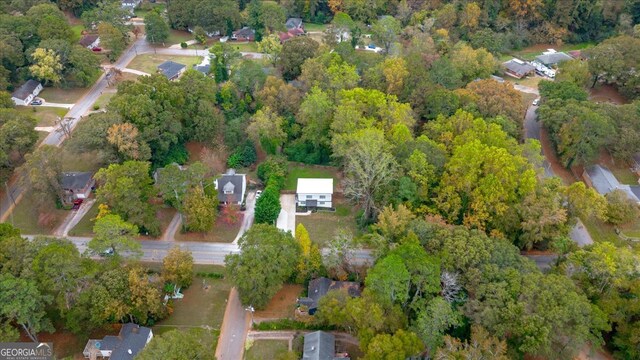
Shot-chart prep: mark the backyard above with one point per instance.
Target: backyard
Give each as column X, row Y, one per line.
column 282, row 304
column 266, row 349
column 149, row 62
column 309, row 171
column 323, row 225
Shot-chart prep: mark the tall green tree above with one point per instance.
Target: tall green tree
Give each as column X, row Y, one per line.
column 156, row 27
column 23, row 304
column 178, row 344
column 267, row 258
column 43, row 171
column 268, row 206
column 200, row 210
column 177, row 267
column 116, row 236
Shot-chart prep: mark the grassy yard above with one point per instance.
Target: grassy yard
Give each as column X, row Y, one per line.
column 245, row 47
column 46, row 116
column 200, row 307
column 315, row 27
column 601, row 231
column 266, row 349
column 26, row 217
column 72, row 161
column 77, row 32
column 304, row 171
column 530, row 53
column 104, row 99
column 85, row 226
column 149, row 62
column 530, row 81
column 141, row 11
column 624, row 175
column 221, row 233
column 178, row 36
column 64, row 96
column 323, row 226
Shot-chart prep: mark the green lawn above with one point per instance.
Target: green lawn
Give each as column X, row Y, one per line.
column 30, row 221
column 315, row 27
column 200, row 307
column 266, row 349
column 323, row 226
column 601, row 231
column 178, row 36
column 245, row 47
column 85, row 226
column 303, row 171
column 149, row 62
column 530, row 53
column 46, row 116
column 104, row 99
column 77, row 32
column 221, row 233
column 64, row 96
column 531, row 81
column 143, row 10
column 624, row 175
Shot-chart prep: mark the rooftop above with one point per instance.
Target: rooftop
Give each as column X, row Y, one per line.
column 319, row 345
column 170, row 69
column 88, row 40
column 293, row 23
column 75, row 180
column 321, row 286
column 518, row 67
column 231, row 182
column 129, row 342
column 603, row 180
column 552, row 58
column 25, row 90
column 315, row 186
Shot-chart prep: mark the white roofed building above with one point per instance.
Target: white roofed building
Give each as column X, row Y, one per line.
column 312, row 193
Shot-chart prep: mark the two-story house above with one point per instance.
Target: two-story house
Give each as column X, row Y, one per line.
column 314, row 193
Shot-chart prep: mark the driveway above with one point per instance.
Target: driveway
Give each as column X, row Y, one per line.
column 581, row 235
column 74, row 218
column 56, row 105
column 287, row 218
column 249, row 214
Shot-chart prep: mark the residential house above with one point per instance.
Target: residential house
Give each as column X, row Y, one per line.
column 244, row 34
column 90, row 41
column 231, row 187
column 76, row 185
column 603, row 181
column 551, row 58
column 130, row 4
column 518, row 68
column 321, row 286
column 205, row 69
column 320, row 345
column 290, row 34
column 294, row 23
column 171, row 70
column 26, row 93
column 129, row 342
column 313, row 193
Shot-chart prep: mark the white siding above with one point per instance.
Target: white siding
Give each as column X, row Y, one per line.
column 324, row 200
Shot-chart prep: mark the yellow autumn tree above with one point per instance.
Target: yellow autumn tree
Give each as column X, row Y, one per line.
column 310, row 260
column 395, row 71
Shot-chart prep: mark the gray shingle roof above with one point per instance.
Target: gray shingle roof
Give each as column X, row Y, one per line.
column 203, row 68
column 170, row 69
column 293, row 23
column 133, row 337
column 319, row 345
column 75, row 180
column 520, row 69
column 553, row 58
column 25, row 90
column 233, row 182
column 605, row 182
column 321, row 286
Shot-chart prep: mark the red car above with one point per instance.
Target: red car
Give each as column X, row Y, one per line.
column 96, row 49
column 76, row 204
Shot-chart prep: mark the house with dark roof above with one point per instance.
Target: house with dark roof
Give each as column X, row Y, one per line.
column 205, row 69
column 603, row 181
column 129, row 342
column 244, row 34
column 90, row 41
column 551, row 58
column 294, row 23
column 320, row 345
column 76, row 185
column 171, row 70
column 231, row 187
column 26, row 93
column 321, row 286
column 518, row 69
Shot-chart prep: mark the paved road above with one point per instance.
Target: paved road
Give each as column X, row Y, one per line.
column 234, row 329
column 579, row 233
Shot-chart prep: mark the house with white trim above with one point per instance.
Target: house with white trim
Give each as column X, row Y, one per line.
column 314, row 193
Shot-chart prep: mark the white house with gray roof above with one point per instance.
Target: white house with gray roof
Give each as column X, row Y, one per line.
column 603, row 181
column 231, row 187
column 26, row 93
column 315, row 193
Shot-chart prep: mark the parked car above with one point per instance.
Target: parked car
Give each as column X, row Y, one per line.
column 96, row 49
column 107, row 252
column 36, row 102
column 76, row 204
column 536, row 102
column 258, row 194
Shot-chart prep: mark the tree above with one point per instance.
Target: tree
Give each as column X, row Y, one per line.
column 612, row 61
column 271, row 46
column 389, row 280
column 85, row 66
column 125, row 138
column 394, row 223
column 584, row 202
column 268, row 256
column 575, row 71
column 310, row 260
column 50, row 22
column 471, row 63
column 177, row 344
column 620, row 209
column 43, row 171
column 369, row 168
column 177, row 267
column 294, row 53
column 46, row 65
column 112, row 39
column 126, row 188
column 482, row 345
column 494, row 99
column 431, row 324
column 399, row 346
column 268, row 206
column 114, row 235
column 156, row 27
column 563, row 90
column 266, row 129
column 543, row 216
column 395, row 71
column 21, row 302
column 385, row 32
column 200, row 210
column 339, row 254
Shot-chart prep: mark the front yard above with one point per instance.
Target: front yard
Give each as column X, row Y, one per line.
column 323, row 225
column 63, row 96
column 266, row 349
column 30, row 221
column 149, row 62
column 221, row 233
column 46, row 116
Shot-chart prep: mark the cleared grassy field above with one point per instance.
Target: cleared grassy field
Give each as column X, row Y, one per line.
column 323, row 226
column 221, row 232
column 315, row 27
column 303, row 171
column 266, row 349
column 149, row 62
column 46, row 116
column 30, row 221
column 64, row 96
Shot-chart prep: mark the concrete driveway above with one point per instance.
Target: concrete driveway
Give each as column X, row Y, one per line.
column 287, row 218
column 249, row 214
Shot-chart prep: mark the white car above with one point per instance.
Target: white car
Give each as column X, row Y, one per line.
column 258, row 193
column 536, row 102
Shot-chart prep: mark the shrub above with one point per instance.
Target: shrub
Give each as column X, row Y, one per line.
column 183, row 45
column 243, row 156
column 96, row 107
column 288, row 324
column 273, row 171
column 620, row 209
column 268, row 206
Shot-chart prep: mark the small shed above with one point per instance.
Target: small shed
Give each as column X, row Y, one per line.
column 171, row 70
column 26, row 93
